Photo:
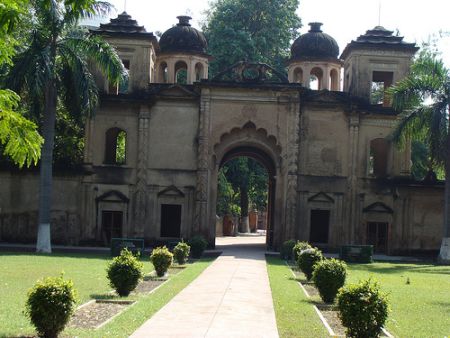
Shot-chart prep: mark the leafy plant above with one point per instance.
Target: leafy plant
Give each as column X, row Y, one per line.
column 299, row 247
column 363, row 309
column 162, row 259
column 198, row 245
column 125, row 272
column 329, row 276
column 50, row 304
column 286, row 249
column 307, row 259
column 181, row 252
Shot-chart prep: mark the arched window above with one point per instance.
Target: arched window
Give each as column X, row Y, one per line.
column 181, row 72
column 163, row 72
column 115, row 146
column 315, row 79
column 378, row 157
column 298, row 75
column 199, row 71
column 334, row 80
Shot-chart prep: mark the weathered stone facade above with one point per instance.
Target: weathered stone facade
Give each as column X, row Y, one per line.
column 335, row 177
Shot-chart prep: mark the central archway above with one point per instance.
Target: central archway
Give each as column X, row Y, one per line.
column 256, row 144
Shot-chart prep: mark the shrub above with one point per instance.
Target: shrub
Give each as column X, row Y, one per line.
column 162, row 260
column 198, row 245
column 181, row 252
column 299, row 247
column 307, row 259
column 329, row 276
column 363, row 309
column 50, row 304
column 286, row 249
column 124, row 272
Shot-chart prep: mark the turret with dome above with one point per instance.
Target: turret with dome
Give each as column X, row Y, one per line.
column 315, row 55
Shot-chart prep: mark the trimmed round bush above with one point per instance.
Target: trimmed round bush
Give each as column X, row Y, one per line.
column 125, row 272
column 307, row 259
column 286, row 249
column 363, row 309
column 198, row 245
column 299, row 247
column 181, row 252
column 161, row 259
column 50, row 304
column 329, row 276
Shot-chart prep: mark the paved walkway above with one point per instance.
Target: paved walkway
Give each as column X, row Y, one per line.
column 231, row 298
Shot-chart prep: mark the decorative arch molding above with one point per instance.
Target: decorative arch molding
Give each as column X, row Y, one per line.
column 245, row 139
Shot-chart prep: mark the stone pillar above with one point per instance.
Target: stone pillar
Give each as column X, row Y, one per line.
column 292, row 166
column 201, row 193
column 140, row 196
column 352, row 176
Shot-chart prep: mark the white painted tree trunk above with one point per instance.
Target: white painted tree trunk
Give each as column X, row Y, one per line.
column 245, row 225
column 444, row 253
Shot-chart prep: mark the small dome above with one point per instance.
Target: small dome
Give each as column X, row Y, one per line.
column 314, row 45
column 183, row 38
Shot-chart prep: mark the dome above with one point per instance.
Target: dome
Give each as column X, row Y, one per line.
column 314, row 45
column 183, row 38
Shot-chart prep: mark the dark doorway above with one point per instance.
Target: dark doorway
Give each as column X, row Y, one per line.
column 377, row 235
column 111, row 225
column 170, row 220
column 320, row 224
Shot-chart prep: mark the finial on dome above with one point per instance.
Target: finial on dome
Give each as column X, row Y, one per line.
column 184, row 20
column 315, row 27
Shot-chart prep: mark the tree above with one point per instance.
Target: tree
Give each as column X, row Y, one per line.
column 423, row 99
column 248, row 180
column 19, row 136
column 53, row 68
column 251, row 30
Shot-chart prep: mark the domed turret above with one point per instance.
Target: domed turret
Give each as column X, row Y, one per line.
column 183, row 38
column 182, row 58
column 314, row 45
column 314, row 55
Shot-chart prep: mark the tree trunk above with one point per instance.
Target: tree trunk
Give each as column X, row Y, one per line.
column 46, row 171
column 244, row 225
column 444, row 253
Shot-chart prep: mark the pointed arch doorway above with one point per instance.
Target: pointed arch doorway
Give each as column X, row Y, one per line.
column 267, row 163
column 256, row 144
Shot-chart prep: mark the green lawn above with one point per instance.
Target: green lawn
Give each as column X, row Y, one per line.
column 19, row 272
column 419, row 309
column 294, row 313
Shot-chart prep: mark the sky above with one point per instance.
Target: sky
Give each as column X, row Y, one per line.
column 344, row 20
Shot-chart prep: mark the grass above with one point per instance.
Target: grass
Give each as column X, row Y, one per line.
column 19, row 272
column 294, row 313
column 420, row 308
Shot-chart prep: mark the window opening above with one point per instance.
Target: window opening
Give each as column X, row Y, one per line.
column 320, row 224
column 111, row 225
column 170, row 220
column 380, row 82
column 115, row 146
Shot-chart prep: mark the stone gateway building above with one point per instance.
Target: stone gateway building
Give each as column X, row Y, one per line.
column 155, row 146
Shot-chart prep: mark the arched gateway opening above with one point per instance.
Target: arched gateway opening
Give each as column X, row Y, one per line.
column 251, row 181
column 256, row 145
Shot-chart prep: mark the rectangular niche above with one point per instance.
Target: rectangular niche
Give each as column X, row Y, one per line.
column 320, row 225
column 171, row 220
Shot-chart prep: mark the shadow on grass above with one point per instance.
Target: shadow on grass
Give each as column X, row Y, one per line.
column 395, row 268
column 105, row 256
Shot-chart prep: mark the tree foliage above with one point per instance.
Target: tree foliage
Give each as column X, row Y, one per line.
column 52, row 69
column 252, row 30
column 243, row 184
column 19, row 136
column 423, row 98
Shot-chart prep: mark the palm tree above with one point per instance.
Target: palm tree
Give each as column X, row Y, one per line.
column 423, row 99
column 53, row 69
